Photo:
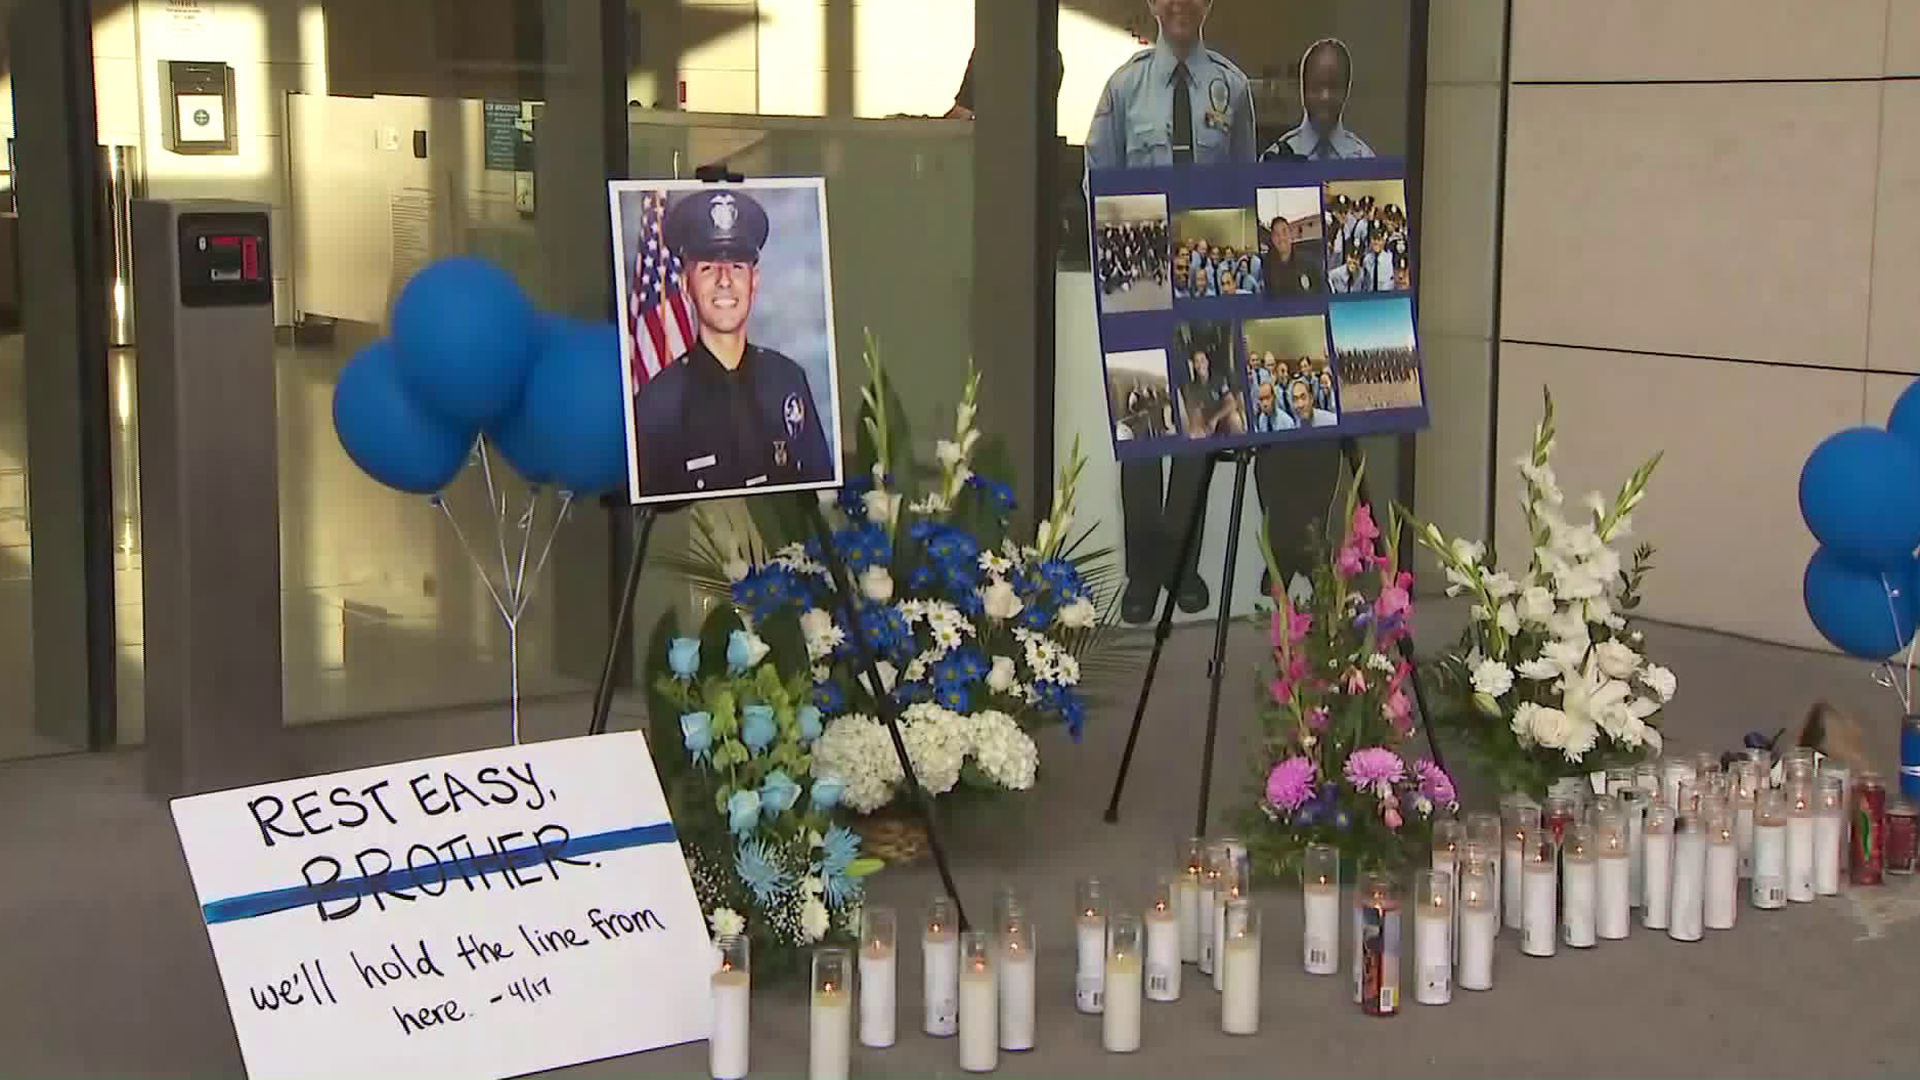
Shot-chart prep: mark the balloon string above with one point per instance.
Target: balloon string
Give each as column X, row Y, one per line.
column 560, row 515
column 1904, row 691
column 497, row 508
column 526, row 537
column 513, row 668
column 441, row 502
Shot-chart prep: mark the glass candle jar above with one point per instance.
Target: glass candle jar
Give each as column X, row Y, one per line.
column 1240, row 961
column 1613, row 878
column 1561, row 811
column 1433, row 936
column 1689, row 879
column 979, row 1004
column 1646, row 777
column 1720, row 904
column 1579, row 886
column 1800, row 842
column 1376, row 945
column 732, row 992
column 1868, row 849
column 1016, row 971
column 1673, row 773
column 1539, row 891
column 1517, row 815
column 1829, row 832
column 830, row 1016
column 879, row 962
column 1192, row 862
column 940, row 969
column 1656, row 849
column 1163, row 942
column 1120, row 1018
column 1903, row 837
column 1619, row 779
column 1770, row 849
column 1090, row 940
column 1320, row 891
column 1479, row 922
column 1448, row 835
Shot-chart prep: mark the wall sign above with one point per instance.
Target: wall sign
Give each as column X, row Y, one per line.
column 486, row 914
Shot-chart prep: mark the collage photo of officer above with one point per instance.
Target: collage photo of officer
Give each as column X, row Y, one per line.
column 1138, row 397
column 727, row 336
column 1378, row 354
column 1366, row 226
column 1183, row 101
column 1130, row 252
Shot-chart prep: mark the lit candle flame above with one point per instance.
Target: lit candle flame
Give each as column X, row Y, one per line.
column 726, row 965
column 1091, row 913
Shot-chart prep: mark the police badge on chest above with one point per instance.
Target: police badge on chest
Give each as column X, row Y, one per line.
column 1217, row 101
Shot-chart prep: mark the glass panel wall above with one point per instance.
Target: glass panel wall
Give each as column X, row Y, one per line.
column 1267, row 42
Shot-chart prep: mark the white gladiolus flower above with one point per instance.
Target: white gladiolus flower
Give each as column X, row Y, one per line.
column 1536, row 604
column 828, row 498
column 1468, row 551
column 876, row 584
column 1598, row 610
column 1076, row 616
column 1596, row 503
column 1001, row 678
column 737, row 568
column 1507, row 618
column 1577, row 583
column 1300, row 590
column 1660, row 681
column 1492, row 678
column 1565, row 655
column 948, row 453
column 1618, row 661
column 930, row 503
column 1479, row 613
column 1500, row 585
column 1542, row 478
column 1568, row 625
column 1000, row 601
column 882, row 506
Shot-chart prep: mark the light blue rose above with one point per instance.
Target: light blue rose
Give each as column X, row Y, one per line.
column 809, row 718
column 758, row 728
column 683, row 656
column 696, row 731
column 826, row 792
column 744, row 650
column 743, row 812
column 778, row 793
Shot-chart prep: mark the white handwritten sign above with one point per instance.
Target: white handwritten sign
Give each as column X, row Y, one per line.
column 481, row 915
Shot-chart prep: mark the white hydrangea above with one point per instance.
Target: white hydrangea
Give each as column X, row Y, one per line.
column 857, row 750
column 726, row 922
column 937, row 742
column 1004, row 752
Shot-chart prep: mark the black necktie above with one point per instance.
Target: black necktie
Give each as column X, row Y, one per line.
column 1182, row 117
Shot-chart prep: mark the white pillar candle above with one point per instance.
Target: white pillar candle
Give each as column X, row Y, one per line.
column 1612, row 914
column 1538, row 900
column 1721, row 905
column 1090, row 970
column 1240, row 958
column 1016, row 969
column 1827, row 837
column 1800, row 843
column 1321, row 948
column 1208, row 897
column 830, row 1043
column 1636, row 812
column 1578, row 886
column 1512, row 905
column 979, row 1006
column 1187, row 899
column 1689, row 881
column 1163, row 955
column 878, row 964
column 1433, row 956
column 1120, row 1014
column 1658, row 852
column 1743, row 836
column 940, row 980
column 1769, row 852
column 727, row 1046
column 1478, row 927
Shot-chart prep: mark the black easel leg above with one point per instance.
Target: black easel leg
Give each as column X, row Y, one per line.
column 883, row 700
column 1223, row 616
column 1351, row 449
column 1160, row 632
column 622, row 622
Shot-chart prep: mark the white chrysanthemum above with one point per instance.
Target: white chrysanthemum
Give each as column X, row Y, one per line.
column 912, row 611
column 1492, row 678
column 1660, row 681
column 1004, row 752
column 917, row 667
column 814, row 919
column 1618, row 661
column 946, row 636
column 726, row 922
column 1580, row 738
column 1539, row 669
column 857, row 750
column 1522, row 723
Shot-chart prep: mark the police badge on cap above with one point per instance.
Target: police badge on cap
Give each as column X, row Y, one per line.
column 717, row 224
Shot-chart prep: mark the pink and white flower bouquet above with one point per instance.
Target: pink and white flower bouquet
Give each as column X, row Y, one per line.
column 1337, row 761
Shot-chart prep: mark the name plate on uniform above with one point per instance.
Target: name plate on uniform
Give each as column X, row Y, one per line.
column 1252, row 304
column 486, row 914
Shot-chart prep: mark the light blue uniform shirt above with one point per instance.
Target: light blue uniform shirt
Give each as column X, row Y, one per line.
column 1133, row 122
column 1377, row 270
column 1304, row 141
column 1278, row 420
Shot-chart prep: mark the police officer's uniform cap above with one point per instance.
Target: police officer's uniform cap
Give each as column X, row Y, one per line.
column 724, row 223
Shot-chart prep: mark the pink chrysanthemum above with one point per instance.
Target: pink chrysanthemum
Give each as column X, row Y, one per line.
column 1374, row 767
column 1290, row 784
column 1435, row 784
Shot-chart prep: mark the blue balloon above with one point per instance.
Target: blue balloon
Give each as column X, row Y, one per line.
column 571, row 425
column 1865, row 613
column 1860, row 494
column 1904, row 421
column 466, row 335
column 386, row 432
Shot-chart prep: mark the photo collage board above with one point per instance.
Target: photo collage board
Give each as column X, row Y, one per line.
column 1255, row 304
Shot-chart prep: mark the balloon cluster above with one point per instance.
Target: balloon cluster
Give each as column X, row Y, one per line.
column 1860, row 495
column 469, row 355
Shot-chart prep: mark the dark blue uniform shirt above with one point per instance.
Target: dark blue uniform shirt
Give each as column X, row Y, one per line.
column 703, row 428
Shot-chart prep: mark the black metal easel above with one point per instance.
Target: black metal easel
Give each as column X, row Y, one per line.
column 644, row 517
column 1242, row 460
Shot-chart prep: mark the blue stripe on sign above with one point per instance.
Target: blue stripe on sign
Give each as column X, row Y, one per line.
column 446, row 870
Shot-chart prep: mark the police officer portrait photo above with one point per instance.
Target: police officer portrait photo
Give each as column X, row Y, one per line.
column 1366, row 224
column 1377, row 354
column 727, row 337
column 1292, row 248
column 1209, row 380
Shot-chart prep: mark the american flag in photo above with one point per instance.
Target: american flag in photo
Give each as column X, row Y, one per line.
column 657, row 305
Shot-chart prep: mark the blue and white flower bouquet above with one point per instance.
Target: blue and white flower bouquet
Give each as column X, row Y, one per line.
column 980, row 636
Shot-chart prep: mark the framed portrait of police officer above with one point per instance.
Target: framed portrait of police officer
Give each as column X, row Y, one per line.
column 727, row 337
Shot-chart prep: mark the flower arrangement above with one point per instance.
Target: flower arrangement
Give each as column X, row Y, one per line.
column 978, row 637
column 1335, row 710
column 1549, row 679
column 762, row 844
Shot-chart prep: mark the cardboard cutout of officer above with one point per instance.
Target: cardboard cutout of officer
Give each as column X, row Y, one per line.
column 729, row 415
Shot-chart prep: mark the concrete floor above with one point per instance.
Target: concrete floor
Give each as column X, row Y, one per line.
column 109, row 972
